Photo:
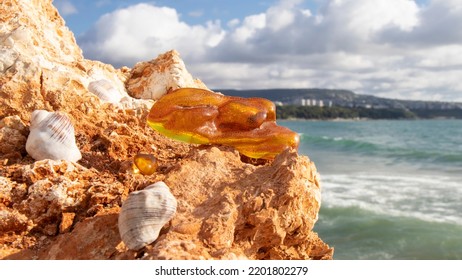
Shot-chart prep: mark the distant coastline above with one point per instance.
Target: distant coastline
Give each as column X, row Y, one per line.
column 327, row 104
column 293, row 112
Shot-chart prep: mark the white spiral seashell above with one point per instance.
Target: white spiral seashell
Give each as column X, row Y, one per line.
column 52, row 137
column 37, row 117
column 144, row 213
column 105, row 91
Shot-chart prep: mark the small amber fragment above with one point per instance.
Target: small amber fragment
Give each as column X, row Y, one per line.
column 146, row 164
column 204, row 117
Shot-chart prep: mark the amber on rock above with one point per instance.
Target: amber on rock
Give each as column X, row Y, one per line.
column 204, row 117
column 146, row 164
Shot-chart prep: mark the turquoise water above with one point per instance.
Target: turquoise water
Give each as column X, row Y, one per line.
column 390, row 189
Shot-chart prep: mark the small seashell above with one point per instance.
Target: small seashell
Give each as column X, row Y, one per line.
column 52, row 137
column 37, row 117
column 105, row 91
column 145, row 164
column 144, row 213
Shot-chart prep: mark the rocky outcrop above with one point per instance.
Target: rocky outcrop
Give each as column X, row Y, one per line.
column 56, row 209
column 152, row 79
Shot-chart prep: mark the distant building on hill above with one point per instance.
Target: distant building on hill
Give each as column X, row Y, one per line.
column 278, row 103
column 312, row 102
column 340, row 98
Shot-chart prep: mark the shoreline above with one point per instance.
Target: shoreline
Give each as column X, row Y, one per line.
column 364, row 119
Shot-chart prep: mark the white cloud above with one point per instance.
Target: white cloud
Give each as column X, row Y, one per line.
column 248, row 29
column 440, row 57
column 440, row 24
column 281, row 15
column 233, row 23
column 65, row 7
column 142, row 31
column 391, row 48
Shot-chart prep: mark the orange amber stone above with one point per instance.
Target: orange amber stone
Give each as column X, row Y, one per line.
column 201, row 116
column 146, row 164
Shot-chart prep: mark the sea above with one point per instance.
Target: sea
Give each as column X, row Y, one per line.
column 391, row 189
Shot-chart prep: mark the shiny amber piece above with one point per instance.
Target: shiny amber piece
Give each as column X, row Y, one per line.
column 200, row 116
column 146, row 164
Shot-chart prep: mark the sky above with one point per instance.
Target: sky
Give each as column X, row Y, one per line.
column 405, row 49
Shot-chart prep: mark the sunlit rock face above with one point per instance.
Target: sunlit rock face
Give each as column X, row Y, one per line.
column 60, row 209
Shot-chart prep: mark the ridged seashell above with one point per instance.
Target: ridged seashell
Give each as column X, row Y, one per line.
column 37, row 117
column 52, row 137
column 144, row 213
column 105, row 91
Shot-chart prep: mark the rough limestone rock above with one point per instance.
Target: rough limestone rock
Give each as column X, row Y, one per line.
column 227, row 208
column 152, row 79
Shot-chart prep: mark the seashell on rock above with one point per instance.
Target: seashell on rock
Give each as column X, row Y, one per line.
column 37, row 117
column 52, row 137
column 105, row 91
column 144, row 213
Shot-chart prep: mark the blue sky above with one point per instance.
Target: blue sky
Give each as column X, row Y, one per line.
column 80, row 15
column 391, row 48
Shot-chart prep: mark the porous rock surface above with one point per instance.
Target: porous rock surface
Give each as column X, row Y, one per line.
column 227, row 208
column 151, row 79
